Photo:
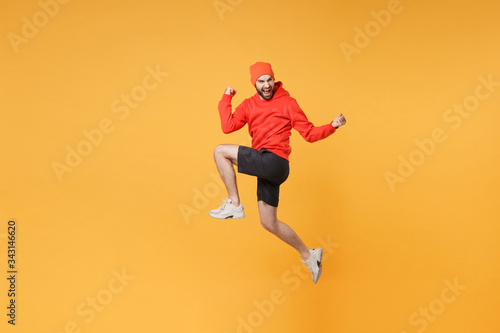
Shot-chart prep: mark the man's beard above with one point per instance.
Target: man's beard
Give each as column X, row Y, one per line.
column 264, row 97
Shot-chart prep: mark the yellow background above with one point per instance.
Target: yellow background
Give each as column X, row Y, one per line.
column 138, row 202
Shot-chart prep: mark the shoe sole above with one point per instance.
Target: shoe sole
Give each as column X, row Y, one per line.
column 235, row 216
column 320, row 265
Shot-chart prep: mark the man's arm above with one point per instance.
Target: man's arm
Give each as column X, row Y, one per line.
column 307, row 129
column 231, row 122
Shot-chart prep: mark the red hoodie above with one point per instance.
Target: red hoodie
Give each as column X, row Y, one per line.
column 270, row 121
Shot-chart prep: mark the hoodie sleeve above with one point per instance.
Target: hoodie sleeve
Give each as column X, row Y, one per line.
column 231, row 122
column 307, row 129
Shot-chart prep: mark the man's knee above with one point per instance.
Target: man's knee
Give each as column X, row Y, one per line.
column 268, row 223
column 229, row 152
column 219, row 151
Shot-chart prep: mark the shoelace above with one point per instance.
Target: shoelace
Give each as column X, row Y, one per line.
column 223, row 205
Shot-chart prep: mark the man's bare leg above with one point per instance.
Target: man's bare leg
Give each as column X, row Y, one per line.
column 270, row 222
column 225, row 156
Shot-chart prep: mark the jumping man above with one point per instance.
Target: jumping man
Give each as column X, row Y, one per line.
column 270, row 114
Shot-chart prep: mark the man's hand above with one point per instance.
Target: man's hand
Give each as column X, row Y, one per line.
column 339, row 121
column 230, row 91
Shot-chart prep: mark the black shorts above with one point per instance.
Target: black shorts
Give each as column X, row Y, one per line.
column 270, row 169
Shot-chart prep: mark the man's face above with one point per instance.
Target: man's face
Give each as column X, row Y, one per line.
column 265, row 86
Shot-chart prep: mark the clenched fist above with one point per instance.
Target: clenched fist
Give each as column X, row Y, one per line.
column 339, row 121
column 230, row 91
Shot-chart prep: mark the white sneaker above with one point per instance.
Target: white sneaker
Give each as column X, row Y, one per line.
column 314, row 263
column 227, row 211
